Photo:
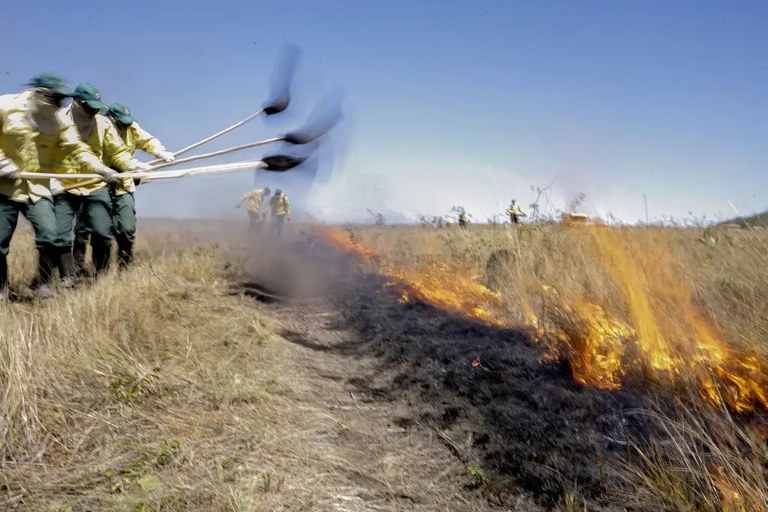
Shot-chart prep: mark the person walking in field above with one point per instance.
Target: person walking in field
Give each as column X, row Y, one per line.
column 280, row 210
column 463, row 218
column 36, row 137
column 91, row 200
column 256, row 208
column 515, row 213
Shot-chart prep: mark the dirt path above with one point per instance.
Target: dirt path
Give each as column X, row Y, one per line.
column 364, row 451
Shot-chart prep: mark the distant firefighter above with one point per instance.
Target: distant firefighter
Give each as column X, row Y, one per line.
column 255, row 207
column 515, row 212
column 463, row 219
column 280, row 210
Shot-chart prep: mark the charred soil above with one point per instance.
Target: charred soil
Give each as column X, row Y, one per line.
column 520, row 421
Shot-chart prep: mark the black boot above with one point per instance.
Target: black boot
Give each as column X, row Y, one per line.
column 46, row 264
column 124, row 253
column 67, row 269
column 78, row 255
column 102, row 254
column 3, row 278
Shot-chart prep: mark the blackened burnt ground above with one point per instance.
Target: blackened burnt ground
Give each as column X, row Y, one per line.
column 520, row 418
column 529, row 424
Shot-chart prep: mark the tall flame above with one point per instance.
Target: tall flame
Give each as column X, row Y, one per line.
column 677, row 344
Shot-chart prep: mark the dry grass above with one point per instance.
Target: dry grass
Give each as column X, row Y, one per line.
column 161, row 389
column 122, row 394
column 716, row 277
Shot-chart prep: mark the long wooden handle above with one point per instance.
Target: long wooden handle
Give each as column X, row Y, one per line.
column 208, row 169
column 214, row 136
column 180, row 161
column 87, row 183
column 218, row 153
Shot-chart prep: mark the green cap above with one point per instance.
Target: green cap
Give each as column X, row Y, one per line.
column 121, row 114
column 50, row 81
column 89, row 94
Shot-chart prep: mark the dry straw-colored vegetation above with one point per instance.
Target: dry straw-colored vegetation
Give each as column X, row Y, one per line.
column 135, row 392
column 165, row 388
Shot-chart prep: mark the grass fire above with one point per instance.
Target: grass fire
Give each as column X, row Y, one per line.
column 664, row 336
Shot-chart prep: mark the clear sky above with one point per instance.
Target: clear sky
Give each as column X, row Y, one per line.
column 446, row 102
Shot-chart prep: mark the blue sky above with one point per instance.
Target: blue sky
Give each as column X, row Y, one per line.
column 445, row 102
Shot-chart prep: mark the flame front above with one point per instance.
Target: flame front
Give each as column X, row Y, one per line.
column 674, row 343
column 438, row 284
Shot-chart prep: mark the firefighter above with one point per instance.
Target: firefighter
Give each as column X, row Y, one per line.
column 123, row 202
column 463, row 218
column 515, row 212
column 280, row 210
column 36, row 137
column 91, row 200
column 255, row 207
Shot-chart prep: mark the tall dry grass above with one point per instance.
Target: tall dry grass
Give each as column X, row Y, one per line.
column 709, row 460
column 125, row 394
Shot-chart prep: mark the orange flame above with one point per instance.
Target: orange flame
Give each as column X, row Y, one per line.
column 676, row 344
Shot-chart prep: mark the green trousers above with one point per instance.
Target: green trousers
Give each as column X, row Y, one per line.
column 94, row 212
column 43, row 220
column 124, row 225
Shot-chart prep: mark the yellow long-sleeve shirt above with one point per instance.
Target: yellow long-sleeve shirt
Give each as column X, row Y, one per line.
column 255, row 199
column 33, row 151
column 279, row 205
column 103, row 141
column 135, row 137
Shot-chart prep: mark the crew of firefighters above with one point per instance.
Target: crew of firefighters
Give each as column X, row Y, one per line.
column 261, row 206
column 88, row 137
column 37, row 134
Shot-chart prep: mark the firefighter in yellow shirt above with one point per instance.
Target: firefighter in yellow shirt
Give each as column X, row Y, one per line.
column 35, row 137
column 123, row 203
column 463, row 218
column 91, row 201
column 515, row 212
column 280, row 211
column 255, row 207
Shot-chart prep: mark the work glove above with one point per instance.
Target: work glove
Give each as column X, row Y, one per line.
column 167, row 156
column 137, row 166
column 57, row 187
column 8, row 169
column 111, row 176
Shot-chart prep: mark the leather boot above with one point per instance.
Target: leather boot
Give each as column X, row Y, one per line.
column 4, row 292
column 46, row 264
column 102, row 254
column 78, row 254
column 124, row 253
column 67, row 269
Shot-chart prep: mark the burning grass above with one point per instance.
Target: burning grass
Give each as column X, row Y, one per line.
column 675, row 308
